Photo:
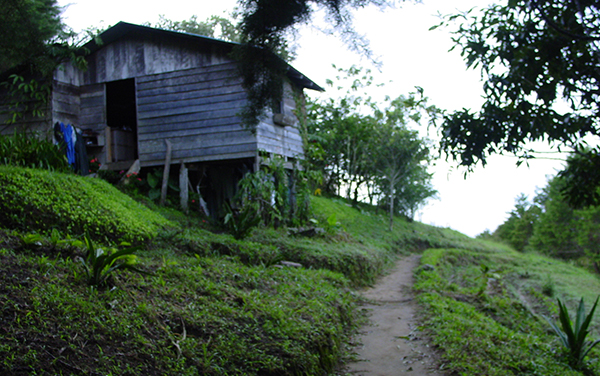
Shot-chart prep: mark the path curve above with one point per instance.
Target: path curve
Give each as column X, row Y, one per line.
column 391, row 344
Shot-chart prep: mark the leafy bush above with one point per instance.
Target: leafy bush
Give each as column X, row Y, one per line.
column 29, row 150
column 36, row 200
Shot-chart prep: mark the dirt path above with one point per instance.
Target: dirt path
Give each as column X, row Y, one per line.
column 391, row 343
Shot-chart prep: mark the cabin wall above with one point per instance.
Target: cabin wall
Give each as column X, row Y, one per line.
column 188, row 92
column 196, row 109
column 65, row 103
column 25, row 122
column 136, row 56
column 282, row 138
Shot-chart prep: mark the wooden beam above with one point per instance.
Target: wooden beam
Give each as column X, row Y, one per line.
column 183, row 187
column 166, row 171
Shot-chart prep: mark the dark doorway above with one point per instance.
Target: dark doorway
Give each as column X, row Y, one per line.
column 121, row 117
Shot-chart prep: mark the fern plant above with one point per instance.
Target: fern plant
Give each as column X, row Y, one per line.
column 573, row 338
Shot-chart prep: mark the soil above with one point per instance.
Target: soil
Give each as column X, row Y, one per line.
column 391, row 343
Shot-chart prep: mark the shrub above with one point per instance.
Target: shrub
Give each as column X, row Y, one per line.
column 36, row 200
column 28, row 150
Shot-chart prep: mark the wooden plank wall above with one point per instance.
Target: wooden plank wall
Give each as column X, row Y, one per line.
column 282, row 140
column 196, row 109
column 65, row 103
column 92, row 108
column 27, row 123
column 136, row 56
column 187, row 92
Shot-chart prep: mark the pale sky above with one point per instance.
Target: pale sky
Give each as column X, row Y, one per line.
column 411, row 56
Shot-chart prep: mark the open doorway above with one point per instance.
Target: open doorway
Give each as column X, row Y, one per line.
column 121, row 118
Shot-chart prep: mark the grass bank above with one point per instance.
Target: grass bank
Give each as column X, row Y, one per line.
column 276, row 303
column 208, row 303
column 485, row 310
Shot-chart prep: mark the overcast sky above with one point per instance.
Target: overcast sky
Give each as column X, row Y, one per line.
column 411, row 55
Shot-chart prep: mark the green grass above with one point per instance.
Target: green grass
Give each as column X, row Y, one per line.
column 484, row 310
column 38, row 200
column 215, row 305
column 195, row 315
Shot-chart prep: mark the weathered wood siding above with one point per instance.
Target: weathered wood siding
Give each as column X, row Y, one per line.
column 136, row 56
column 27, row 122
column 188, row 90
column 65, row 103
column 196, row 109
column 282, row 140
column 92, row 113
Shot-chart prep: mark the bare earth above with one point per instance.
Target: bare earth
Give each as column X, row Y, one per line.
column 391, row 343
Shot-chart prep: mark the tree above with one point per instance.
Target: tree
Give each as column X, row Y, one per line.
column 401, row 157
column 214, row 27
column 518, row 228
column 534, row 55
column 265, row 26
column 555, row 234
column 29, row 28
column 581, row 178
column 360, row 145
column 399, row 165
column 34, row 42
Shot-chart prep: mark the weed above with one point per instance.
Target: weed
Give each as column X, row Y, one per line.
column 549, row 287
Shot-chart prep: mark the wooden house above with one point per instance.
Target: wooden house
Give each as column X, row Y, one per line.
column 145, row 86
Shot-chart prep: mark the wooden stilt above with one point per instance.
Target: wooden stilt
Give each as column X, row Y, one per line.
column 166, row 171
column 183, row 187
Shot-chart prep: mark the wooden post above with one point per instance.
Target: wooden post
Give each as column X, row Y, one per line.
column 183, row 187
column 166, row 171
column 256, row 162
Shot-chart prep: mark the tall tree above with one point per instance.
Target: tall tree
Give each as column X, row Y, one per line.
column 33, row 42
column 266, row 25
column 561, row 231
column 518, row 228
column 535, row 56
column 399, row 165
column 361, row 145
column 402, row 157
column 28, row 28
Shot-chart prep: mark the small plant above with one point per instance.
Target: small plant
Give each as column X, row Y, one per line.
column 241, row 222
column 99, row 264
column 549, row 288
column 573, row 338
column 28, row 240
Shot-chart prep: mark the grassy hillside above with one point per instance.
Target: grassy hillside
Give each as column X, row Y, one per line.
column 210, row 304
column 485, row 310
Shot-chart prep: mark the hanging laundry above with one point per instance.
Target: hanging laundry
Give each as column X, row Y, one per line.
column 69, row 138
column 72, row 142
column 82, row 165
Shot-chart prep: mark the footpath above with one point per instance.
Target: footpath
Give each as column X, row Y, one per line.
column 391, row 343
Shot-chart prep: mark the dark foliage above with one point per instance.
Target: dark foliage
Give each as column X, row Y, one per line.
column 533, row 55
column 265, row 24
column 582, row 178
column 27, row 27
